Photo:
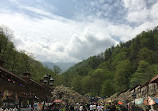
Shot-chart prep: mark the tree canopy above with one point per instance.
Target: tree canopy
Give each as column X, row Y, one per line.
column 20, row 62
column 118, row 68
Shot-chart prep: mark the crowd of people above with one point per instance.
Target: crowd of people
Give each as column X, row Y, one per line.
column 112, row 106
column 96, row 107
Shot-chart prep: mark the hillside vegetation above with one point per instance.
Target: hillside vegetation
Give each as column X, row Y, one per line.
column 118, row 68
column 19, row 62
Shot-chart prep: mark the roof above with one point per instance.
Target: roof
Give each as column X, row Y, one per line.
column 12, row 74
column 30, row 80
column 154, row 79
column 134, row 87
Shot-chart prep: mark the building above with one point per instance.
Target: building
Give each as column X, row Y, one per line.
column 20, row 91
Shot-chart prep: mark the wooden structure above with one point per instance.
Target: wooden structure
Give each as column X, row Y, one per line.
column 20, row 89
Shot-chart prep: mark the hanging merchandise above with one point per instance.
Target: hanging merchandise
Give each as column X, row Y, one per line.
column 149, row 101
column 109, row 101
column 120, row 102
column 139, row 101
column 156, row 100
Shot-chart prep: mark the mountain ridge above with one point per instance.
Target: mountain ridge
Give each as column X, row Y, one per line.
column 62, row 65
column 118, row 68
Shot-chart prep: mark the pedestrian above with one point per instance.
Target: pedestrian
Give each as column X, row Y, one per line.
column 112, row 107
column 71, row 108
column 94, row 107
column 81, row 108
column 84, row 108
column 91, row 107
column 99, row 107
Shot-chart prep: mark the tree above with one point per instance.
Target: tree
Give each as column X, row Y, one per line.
column 122, row 74
column 97, row 79
column 108, row 88
column 86, row 84
column 76, row 83
column 56, row 69
column 143, row 74
column 146, row 54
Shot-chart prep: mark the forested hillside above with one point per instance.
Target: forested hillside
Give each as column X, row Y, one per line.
column 118, row 68
column 20, row 62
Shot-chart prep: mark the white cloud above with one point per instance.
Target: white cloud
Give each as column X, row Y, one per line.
column 153, row 11
column 54, row 38
column 138, row 16
column 141, row 11
column 137, row 11
column 133, row 5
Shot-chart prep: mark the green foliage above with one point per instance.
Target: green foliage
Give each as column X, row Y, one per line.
column 20, row 62
column 146, row 54
column 86, row 84
column 123, row 72
column 143, row 74
column 108, row 88
column 76, row 83
column 97, row 78
column 56, row 69
column 118, row 68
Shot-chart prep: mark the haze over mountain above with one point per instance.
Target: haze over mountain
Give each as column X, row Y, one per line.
column 62, row 65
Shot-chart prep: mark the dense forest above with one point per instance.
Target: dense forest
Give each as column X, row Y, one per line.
column 118, row 68
column 19, row 62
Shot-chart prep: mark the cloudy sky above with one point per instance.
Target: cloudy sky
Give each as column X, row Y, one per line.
column 73, row 30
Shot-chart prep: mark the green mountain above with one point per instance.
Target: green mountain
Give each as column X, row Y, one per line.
column 19, row 62
column 118, row 68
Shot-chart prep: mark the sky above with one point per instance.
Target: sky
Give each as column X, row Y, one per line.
column 73, row 30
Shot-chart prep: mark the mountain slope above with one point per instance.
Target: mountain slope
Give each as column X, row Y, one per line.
column 19, row 62
column 118, row 68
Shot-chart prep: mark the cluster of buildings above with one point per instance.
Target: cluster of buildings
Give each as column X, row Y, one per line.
column 20, row 91
column 150, row 89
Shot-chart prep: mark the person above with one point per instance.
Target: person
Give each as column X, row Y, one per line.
column 113, row 107
column 15, row 109
column 71, row 108
column 81, row 108
column 99, row 107
column 51, row 107
column 84, row 108
column 157, row 108
column 35, row 107
column 56, row 107
column 123, row 108
column 77, row 107
column 94, row 107
column 40, row 106
column 91, row 107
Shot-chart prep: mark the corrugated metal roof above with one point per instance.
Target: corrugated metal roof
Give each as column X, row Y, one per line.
column 154, row 79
